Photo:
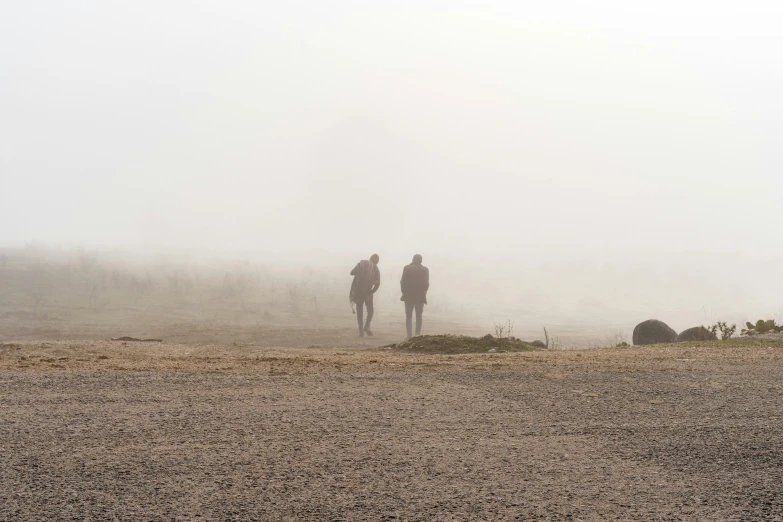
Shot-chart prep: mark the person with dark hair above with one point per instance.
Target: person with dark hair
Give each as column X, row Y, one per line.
column 414, row 284
column 366, row 281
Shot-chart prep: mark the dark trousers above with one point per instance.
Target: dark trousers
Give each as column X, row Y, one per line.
column 360, row 313
column 409, row 306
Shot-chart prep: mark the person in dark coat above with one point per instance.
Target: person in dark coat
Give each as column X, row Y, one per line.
column 414, row 284
column 366, row 281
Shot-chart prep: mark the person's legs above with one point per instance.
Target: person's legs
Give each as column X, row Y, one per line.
column 409, row 318
column 419, row 310
column 370, row 312
column 360, row 317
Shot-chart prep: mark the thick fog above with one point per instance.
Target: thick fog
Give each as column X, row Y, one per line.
column 597, row 160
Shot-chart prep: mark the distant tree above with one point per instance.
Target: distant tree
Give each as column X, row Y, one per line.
column 503, row 331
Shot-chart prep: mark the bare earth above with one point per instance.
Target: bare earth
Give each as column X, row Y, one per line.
column 102, row 431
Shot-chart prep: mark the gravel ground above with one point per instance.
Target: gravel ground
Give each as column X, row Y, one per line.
column 105, row 431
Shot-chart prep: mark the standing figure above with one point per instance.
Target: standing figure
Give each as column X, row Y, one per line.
column 366, row 281
column 414, row 285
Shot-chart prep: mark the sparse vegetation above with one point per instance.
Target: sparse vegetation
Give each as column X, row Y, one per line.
column 726, row 331
column 89, row 287
column 504, row 330
column 762, row 327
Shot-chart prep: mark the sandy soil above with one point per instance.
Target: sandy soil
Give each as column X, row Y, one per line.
column 104, row 431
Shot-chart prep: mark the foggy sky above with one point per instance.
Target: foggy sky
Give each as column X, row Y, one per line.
column 434, row 126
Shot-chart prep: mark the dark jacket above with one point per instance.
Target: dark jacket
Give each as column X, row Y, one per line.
column 364, row 284
column 414, row 283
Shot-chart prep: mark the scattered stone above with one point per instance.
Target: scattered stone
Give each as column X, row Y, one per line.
column 653, row 331
column 697, row 333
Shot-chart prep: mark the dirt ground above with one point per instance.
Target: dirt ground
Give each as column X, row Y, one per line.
column 99, row 430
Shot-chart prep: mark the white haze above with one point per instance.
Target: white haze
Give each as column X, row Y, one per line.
column 570, row 156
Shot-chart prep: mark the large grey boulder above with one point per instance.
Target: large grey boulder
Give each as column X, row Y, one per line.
column 697, row 333
column 653, row 331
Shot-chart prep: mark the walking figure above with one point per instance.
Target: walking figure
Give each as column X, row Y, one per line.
column 414, row 284
column 366, row 281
